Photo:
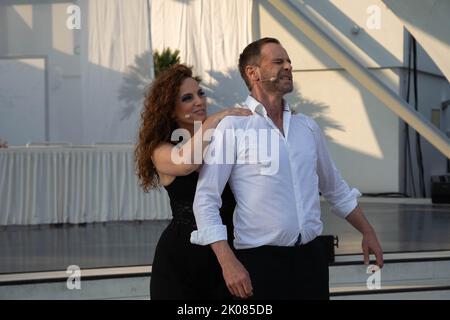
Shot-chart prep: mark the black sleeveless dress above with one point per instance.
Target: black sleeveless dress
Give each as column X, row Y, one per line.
column 182, row 270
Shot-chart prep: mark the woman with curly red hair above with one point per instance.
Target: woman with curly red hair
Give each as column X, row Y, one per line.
column 180, row 270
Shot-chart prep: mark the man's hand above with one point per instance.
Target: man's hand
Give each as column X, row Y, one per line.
column 237, row 279
column 370, row 245
column 235, row 275
column 370, row 242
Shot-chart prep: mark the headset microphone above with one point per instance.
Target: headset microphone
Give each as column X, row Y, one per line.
column 271, row 79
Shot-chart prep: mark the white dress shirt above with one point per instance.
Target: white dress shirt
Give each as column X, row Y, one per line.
column 277, row 194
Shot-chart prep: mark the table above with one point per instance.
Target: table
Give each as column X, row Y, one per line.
column 74, row 184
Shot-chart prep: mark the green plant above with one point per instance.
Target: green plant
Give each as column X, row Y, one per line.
column 165, row 59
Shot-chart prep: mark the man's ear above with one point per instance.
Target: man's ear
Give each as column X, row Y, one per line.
column 252, row 73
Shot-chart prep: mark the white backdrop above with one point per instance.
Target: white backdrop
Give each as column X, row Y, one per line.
column 22, row 100
column 95, row 74
column 116, row 64
column 210, row 36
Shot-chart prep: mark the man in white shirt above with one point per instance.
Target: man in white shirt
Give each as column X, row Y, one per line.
column 277, row 216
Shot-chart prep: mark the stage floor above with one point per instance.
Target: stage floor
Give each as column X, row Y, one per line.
column 400, row 228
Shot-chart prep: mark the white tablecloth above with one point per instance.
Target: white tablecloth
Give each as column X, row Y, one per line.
column 45, row 185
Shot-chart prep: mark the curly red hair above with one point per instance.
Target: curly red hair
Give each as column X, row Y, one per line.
column 157, row 123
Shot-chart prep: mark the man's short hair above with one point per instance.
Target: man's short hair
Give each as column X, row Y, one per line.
column 251, row 56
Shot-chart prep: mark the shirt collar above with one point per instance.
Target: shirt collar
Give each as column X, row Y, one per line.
column 256, row 107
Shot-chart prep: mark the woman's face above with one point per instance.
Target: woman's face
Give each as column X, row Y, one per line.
column 191, row 104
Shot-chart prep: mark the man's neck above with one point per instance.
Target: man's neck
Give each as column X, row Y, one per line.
column 273, row 104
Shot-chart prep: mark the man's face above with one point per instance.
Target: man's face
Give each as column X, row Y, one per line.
column 275, row 69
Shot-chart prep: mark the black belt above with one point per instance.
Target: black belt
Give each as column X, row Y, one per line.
column 185, row 221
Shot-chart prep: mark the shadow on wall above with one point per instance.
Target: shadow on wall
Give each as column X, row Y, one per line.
column 229, row 89
column 22, row 100
column 314, row 109
column 364, row 41
column 134, row 84
column 225, row 90
column 185, row 2
column 438, row 9
column 87, row 101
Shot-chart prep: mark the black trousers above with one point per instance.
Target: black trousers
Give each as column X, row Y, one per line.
column 288, row 273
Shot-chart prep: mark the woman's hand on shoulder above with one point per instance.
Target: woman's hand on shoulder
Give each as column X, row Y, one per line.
column 232, row 111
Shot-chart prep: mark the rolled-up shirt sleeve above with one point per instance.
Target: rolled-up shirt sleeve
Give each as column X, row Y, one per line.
column 218, row 163
column 340, row 196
